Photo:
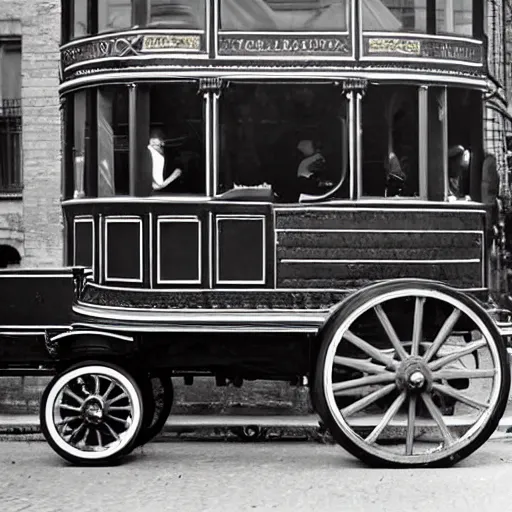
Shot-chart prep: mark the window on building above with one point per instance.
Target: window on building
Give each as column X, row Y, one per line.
column 394, row 15
column 454, row 17
column 176, row 145
column 289, row 138
column 286, row 15
column 180, row 14
column 81, row 129
column 390, row 156
column 112, row 137
column 114, row 15
column 10, row 116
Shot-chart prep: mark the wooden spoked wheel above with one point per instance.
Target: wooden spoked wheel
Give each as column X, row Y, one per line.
column 411, row 373
column 91, row 413
column 158, row 396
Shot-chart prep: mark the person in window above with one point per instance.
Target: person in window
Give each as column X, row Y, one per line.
column 158, row 162
column 311, row 172
column 458, row 168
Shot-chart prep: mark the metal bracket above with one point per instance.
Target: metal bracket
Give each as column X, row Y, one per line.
column 213, row 85
column 357, row 85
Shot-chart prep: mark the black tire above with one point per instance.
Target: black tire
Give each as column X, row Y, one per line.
column 134, row 412
column 340, row 429
column 158, row 405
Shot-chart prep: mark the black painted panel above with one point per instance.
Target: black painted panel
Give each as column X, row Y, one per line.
column 240, row 250
column 457, row 274
column 379, row 219
column 84, row 243
column 36, row 298
column 180, row 256
column 123, row 250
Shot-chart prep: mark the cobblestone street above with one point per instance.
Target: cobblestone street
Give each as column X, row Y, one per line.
column 212, row 476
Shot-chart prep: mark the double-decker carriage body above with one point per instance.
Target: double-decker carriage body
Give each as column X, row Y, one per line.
column 272, row 190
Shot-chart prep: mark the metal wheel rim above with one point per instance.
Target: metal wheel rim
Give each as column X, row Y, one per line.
column 437, row 454
column 133, row 413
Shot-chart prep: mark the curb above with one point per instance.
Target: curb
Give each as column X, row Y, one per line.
column 247, row 428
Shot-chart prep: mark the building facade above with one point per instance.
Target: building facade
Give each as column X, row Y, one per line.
column 30, row 219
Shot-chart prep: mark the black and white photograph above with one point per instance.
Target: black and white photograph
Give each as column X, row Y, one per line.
column 255, row 255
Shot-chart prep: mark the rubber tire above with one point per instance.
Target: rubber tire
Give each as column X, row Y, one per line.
column 72, row 458
column 359, row 299
column 154, row 419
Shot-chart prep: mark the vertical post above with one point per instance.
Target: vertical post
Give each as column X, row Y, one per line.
column 476, row 122
column 437, row 149
column 479, row 9
column 359, row 143
column 212, row 27
column 140, row 12
column 139, row 165
column 432, row 17
column 423, row 141
column 352, row 168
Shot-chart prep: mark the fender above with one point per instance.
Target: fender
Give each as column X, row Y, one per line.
column 75, row 343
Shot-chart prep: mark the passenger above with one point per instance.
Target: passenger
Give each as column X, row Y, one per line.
column 156, row 149
column 312, row 169
column 459, row 159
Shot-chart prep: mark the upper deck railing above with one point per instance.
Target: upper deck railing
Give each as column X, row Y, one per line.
column 439, row 36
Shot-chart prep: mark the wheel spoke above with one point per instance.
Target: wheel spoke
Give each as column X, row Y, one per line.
column 117, row 398
column 96, row 384
column 381, row 378
column 113, row 433
column 370, row 350
column 447, row 390
column 75, row 433
column 443, row 334
column 99, row 439
column 73, row 395
column 468, row 349
column 111, row 387
column 390, row 413
column 438, row 418
column 359, row 364
column 120, row 408
column 390, row 331
column 119, row 420
column 417, row 330
column 411, row 420
column 367, row 400
column 67, row 420
column 67, row 407
column 449, row 374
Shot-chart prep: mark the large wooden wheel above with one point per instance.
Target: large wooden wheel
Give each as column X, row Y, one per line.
column 429, row 387
column 91, row 413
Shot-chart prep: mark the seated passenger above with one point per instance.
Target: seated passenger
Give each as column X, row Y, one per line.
column 156, row 149
column 458, row 169
column 311, row 171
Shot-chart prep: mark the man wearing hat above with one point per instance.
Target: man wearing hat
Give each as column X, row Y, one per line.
column 458, row 169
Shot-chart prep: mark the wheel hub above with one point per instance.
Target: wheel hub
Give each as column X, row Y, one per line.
column 93, row 410
column 414, row 376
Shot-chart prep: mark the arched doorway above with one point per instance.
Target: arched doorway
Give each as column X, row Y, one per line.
column 9, row 256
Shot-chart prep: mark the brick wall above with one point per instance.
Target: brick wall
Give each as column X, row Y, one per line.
column 38, row 24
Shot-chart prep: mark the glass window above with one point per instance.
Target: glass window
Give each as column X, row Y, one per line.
column 113, row 157
column 176, row 146
column 114, row 15
column 289, row 15
column 79, row 27
column 287, row 138
column 454, row 17
column 390, row 141
column 80, row 134
column 394, row 15
column 181, row 14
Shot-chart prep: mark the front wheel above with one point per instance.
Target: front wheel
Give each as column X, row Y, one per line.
column 91, row 413
column 391, row 360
